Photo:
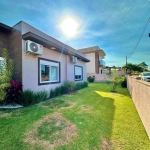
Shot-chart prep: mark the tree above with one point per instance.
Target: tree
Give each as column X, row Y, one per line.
column 6, row 69
column 116, row 79
column 133, row 67
column 144, row 66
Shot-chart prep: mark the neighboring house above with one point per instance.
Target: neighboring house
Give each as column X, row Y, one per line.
column 96, row 56
column 97, row 64
column 55, row 63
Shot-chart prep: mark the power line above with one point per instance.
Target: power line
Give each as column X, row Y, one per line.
column 148, row 21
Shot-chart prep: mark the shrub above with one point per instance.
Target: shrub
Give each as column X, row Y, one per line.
column 63, row 90
column 115, row 80
column 124, row 83
column 85, row 84
column 6, row 69
column 78, row 86
column 69, row 86
column 13, row 92
column 91, row 79
column 58, row 91
column 41, row 96
column 52, row 93
column 81, row 85
column 29, row 97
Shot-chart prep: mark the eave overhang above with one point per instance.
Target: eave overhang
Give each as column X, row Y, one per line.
column 4, row 28
column 61, row 48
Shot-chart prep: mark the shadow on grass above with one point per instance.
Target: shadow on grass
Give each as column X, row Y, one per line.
column 106, row 110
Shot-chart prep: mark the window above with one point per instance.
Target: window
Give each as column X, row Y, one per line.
column 78, row 73
column 48, row 71
column 2, row 66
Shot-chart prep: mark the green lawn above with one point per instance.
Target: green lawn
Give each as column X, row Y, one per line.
column 90, row 119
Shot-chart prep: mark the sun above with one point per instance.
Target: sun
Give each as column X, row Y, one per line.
column 69, row 27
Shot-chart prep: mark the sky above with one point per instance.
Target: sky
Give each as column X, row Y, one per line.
column 116, row 26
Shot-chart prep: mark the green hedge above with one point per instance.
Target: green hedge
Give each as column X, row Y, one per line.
column 29, row 97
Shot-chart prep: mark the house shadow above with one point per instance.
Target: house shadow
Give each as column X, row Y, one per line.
column 106, row 108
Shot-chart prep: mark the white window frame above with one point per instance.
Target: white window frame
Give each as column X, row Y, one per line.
column 51, row 64
column 78, row 71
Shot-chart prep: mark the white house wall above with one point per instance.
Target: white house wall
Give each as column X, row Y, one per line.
column 30, row 69
column 70, row 69
column 91, row 65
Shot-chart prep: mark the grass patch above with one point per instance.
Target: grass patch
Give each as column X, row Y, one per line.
column 51, row 132
column 92, row 118
column 55, row 103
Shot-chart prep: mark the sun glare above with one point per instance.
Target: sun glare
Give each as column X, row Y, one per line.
column 69, row 26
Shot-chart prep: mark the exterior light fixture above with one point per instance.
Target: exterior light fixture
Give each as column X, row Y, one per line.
column 53, row 48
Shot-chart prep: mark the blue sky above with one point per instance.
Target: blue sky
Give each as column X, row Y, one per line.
column 113, row 25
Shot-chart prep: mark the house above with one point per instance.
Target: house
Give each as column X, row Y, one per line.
column 97, row 64
column 41, row 62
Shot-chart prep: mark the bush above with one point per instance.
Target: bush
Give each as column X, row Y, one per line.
column 69, row 86
column 29, row 97
column 124, row 83
column 81, row 85
column 63, row 90
column 58, row 91
column 6, row 69
column 85, row 84
column 13, row 92
column 52, row 93
column 41, row 96
column 78, row 86
column 91, row 79
column 115, row 80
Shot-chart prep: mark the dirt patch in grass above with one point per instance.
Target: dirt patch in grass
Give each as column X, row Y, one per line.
column 84, row 108
column 5, row 115
column 71, row 104
column 106, row 145
column 57, row 103
column 51, row 132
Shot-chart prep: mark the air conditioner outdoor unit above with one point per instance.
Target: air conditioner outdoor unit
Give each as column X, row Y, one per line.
column 32, row 47
column 74, row 59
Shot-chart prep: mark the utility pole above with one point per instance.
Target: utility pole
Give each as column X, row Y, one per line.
column 126, row 64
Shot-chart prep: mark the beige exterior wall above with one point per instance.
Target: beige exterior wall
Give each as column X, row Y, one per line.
column 140, row 93
column 90, row 67
column 98, row 77
column 30, row 69
column 70, row 69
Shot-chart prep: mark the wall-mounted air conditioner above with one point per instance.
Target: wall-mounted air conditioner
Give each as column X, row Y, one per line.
column 32, row 47
column 73, row 59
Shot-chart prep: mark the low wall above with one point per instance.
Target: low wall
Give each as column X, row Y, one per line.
column 104, row 76
column 98, row 77
column 140, row 93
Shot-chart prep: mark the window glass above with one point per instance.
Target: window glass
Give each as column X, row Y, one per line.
column 45, row 69
column 54, row 73
column 78, row 73
column 2, row 66
column 49, row 71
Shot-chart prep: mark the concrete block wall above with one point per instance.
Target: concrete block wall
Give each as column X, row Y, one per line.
column 140, row 93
